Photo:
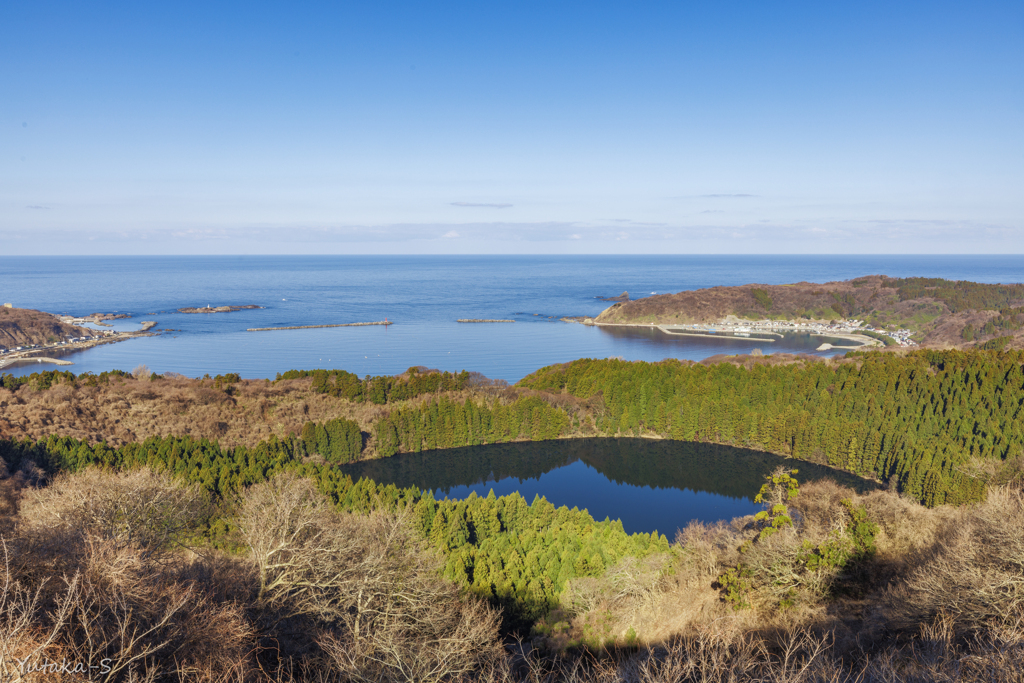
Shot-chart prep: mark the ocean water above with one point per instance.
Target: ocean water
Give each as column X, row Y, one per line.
column 423, row 296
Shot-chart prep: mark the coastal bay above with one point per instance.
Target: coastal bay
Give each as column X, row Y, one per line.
column 426, row 295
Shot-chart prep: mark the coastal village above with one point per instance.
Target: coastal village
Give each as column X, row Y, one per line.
column 853, row 330
column 739, row 328
column 67, row 334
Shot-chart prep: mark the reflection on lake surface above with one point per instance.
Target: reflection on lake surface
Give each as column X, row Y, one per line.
column 698, row 347
column 648, row 484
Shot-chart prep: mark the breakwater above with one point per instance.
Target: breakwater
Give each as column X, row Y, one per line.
column 313, row 327
column 727, row 335
column 218, row 309
column 481, row 320
column 28, row 359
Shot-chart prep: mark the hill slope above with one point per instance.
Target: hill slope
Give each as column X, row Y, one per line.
column 940, row 312
column 26, row 326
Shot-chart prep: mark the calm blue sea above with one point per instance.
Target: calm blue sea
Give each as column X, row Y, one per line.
column 423, row 295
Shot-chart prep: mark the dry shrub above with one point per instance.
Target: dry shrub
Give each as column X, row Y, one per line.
column 976, row 575
column 208, row 396
column 144, row 393
column 121, row 612
column 91, row 576
column 713, row 653
column 718, row 652
column 7, row 397
column 647, row 598
column 21, row 637
column 438, row 637
column 124, row 611
column 10, row 497
column 819, row 506
column 636, row 583
column 706, row 548
column 908, row 531
column 225, row 578
column 992, row 656
column 631, row 589
column 58, row 394
column 778, row 575
column 369, row 579
column 141, row 508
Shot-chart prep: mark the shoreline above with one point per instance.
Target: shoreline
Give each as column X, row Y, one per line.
column 7, row 362
column 29, row 355
column 861, row 339
column 716, row 336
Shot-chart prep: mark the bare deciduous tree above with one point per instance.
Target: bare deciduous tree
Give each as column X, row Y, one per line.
column 976, row 576
column 394, row 617
column 141, row 372
column 140, row 508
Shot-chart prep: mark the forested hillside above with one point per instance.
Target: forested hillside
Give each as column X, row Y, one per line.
column 919, row 418
column 927, row 421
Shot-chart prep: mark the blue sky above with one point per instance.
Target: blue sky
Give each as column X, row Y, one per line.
column 516, row 127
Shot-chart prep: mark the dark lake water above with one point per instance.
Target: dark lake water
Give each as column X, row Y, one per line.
column 647, row 484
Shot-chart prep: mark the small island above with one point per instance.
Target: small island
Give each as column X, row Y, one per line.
column 98, row 317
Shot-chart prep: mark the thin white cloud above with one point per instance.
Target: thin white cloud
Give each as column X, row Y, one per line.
column 817, row 235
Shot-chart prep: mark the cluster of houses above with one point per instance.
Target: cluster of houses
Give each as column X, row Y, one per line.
column 70, row 340
column 27, row 347
column 902, row 336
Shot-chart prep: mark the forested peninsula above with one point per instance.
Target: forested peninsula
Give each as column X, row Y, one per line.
column 398, row 584
column 940, row 313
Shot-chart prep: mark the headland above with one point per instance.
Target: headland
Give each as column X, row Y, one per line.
column 870, row 310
